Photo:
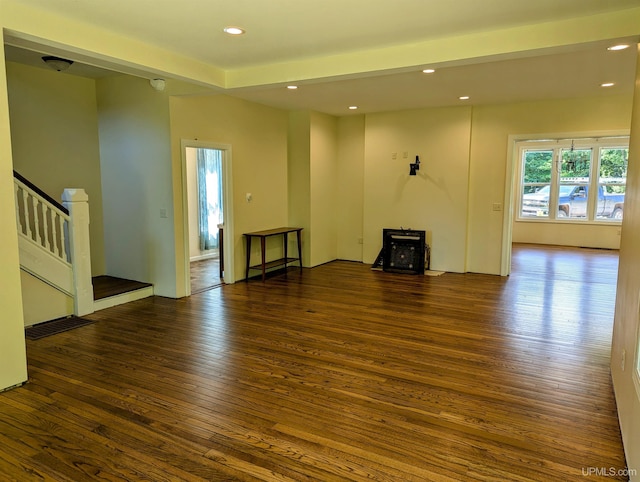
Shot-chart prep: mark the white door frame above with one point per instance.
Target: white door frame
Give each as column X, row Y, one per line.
column 227, row 208
column 507, row 202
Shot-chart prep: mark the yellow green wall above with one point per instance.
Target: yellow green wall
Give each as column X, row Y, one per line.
column 350, row 187
column 313, row 170
column 299, row 177
column 435, row 200
column 41, row 302
column 465, row 157
column 490, row 156
column 626, row 328
column 54, row 136
column 258, row 139
column 260, row 134
column 323, row 188
column 13, row 358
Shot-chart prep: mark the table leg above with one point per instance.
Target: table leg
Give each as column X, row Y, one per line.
column 299, row 236
column 221, row 251
column 286, row 242
column 262, row 249
column 246, row 272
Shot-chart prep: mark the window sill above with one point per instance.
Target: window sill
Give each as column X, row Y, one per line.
column 580, row 222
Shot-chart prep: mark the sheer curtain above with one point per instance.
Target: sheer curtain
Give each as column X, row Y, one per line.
column 209, row 166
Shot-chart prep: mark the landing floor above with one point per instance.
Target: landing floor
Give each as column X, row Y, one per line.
column 107, row 286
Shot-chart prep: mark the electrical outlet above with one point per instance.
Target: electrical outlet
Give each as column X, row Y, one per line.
column 249, row 197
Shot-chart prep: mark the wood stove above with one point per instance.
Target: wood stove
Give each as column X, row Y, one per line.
column 403, row 250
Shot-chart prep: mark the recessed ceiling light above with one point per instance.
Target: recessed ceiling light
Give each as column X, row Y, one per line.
column 429, row 71
column 607, row 84
column 292, row 87
column 234, row 30
column 618, row 47
column 353, row 107
column 464, row 97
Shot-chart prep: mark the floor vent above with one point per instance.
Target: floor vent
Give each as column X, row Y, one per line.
column 53, row 327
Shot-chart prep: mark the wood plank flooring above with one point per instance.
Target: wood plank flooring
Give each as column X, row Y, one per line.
column 338, row 373
column 204, row 275
column 106, row 286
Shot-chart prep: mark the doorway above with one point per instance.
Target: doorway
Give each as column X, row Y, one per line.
column 557, row 170
column 207, row 217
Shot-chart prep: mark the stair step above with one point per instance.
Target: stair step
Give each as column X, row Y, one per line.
column 122, row 298
column 108, row 286
column 111, row 291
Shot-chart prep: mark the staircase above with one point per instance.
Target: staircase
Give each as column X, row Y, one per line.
column 55, row 259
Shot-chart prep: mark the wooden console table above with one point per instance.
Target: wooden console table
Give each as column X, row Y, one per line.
column 263, row 235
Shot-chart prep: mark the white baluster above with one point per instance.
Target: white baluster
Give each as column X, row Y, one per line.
column 16, row 188
column 54, row 223
column 27, row 222
column 63, row 240
column 36, row 221
column 45, row 226
column 54, row 233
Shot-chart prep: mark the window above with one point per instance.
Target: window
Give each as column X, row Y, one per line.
column 209, row 175
column 536, row 182
column 584, row 179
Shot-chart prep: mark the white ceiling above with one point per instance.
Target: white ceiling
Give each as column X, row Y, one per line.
column 279, row 31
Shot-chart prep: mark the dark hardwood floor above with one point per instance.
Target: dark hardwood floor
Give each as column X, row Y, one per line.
column 204, row 275
column 106, row 286
column 335, row 373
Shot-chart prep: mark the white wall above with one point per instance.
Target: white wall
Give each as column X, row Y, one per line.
column 435, row 200
column 195, row 253
column 583, row 235
column 192, row 202
column 137, row 182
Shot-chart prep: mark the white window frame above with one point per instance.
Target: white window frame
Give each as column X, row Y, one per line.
column 557, row 146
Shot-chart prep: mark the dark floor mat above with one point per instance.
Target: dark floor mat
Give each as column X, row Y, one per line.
column 48, row 328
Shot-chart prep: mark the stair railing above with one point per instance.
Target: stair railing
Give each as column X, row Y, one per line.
column 61, row 231
column 41, row 219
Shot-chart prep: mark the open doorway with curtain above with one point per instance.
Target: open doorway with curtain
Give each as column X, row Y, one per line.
column 206, row 219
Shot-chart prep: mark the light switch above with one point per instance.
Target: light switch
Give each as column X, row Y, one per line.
column 497, row 206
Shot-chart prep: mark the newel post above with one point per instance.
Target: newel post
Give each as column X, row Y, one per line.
column 77, row 202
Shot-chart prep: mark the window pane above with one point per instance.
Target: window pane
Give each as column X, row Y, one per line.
column 536, row 179
column 573, row 190
column 612, row 182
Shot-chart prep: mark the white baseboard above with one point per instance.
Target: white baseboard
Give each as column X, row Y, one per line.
column 200, row 257
column 123, row 298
